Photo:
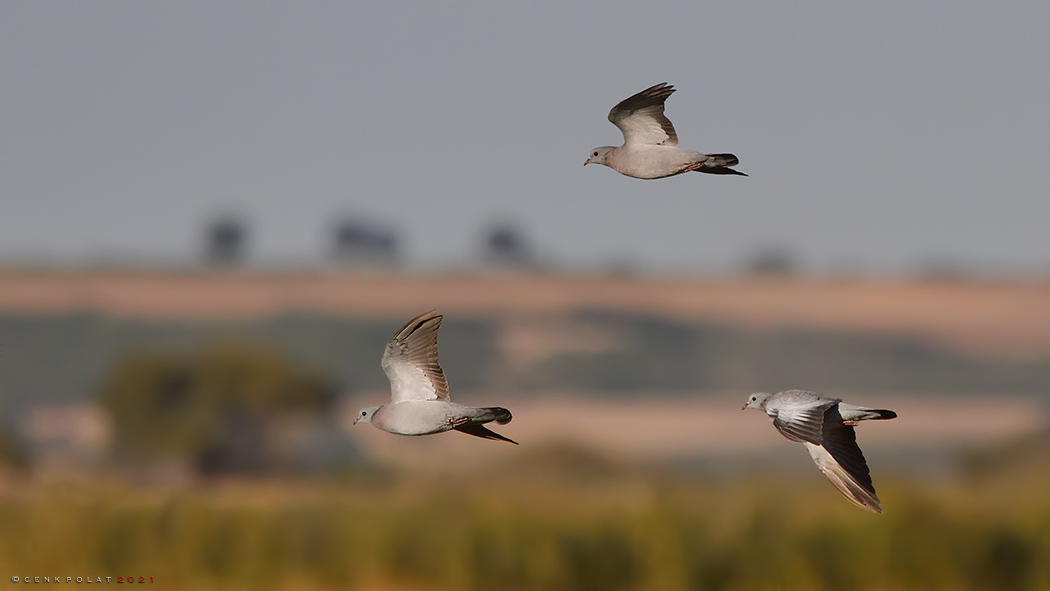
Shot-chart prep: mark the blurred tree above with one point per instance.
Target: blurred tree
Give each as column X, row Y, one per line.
column 360, row 242
column 216, row 408
column 506, row 244
column 11, row 453
column 225, row 241
column 773, row 261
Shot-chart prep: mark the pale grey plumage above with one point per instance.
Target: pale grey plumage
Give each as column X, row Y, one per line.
column 650, row 145
column 419, row 394
column 825, row 427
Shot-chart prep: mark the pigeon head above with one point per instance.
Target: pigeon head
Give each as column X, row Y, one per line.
column 598, row 156
column 365, row 415
column 757, row 400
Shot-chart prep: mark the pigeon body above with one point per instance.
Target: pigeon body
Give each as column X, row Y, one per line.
column 419, row 395
column 825, row 427
column 650, row 147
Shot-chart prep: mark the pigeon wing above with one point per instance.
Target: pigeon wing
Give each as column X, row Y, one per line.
column 641, row 117
column 841, row 460
column 479, row 430
column 799, row 415
column 411, row 361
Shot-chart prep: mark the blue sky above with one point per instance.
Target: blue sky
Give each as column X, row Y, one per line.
column 883, row 136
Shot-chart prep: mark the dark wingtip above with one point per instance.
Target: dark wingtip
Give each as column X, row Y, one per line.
column 479, row 430
column 721, row 170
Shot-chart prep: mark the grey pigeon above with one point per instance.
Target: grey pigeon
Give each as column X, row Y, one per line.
column 825, row 426
column 419, row 400
column 650, row 145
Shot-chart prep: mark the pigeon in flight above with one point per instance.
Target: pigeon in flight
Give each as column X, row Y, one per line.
column 650, row 145
column 419, row 400
column 825, row 427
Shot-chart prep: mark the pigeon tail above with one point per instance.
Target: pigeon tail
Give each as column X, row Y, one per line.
column 722, row 160
column 496, row 413
column 718, row 164
column 481, row 415
column 853, row 414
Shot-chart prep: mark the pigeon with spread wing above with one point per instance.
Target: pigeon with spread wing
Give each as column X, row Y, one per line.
column 825, row 427
column 650, row 145
column 419, row 399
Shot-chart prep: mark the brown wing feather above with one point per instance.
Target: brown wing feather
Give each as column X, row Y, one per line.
column 641, row 117
column 415, row 346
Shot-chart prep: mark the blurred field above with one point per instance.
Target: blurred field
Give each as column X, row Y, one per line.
column 195, row 427
column 554, row 519
column 988, row 317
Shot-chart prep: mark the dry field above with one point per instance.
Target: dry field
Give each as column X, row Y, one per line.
column 992, row 317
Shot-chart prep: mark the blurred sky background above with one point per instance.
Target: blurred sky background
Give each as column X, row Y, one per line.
column 880, row 137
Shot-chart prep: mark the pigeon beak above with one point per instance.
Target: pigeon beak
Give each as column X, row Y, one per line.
column 741, row 408
column 588, row 162
column 356, row 419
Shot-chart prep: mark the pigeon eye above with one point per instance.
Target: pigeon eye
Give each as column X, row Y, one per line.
column 364, row 412
column 594, row 154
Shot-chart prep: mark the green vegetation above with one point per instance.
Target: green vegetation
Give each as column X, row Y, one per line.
column 88, row 348
column 10, row 452
column 555, row 520
column 216, row 408
column 650, row 354
column 522, row 528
